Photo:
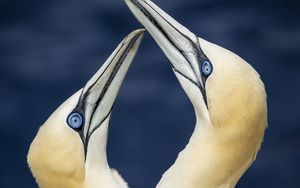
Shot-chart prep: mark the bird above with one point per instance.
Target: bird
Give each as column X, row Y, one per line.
column 69, row 150
column 228, row 97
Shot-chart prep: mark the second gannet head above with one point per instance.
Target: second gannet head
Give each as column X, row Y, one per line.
column 228, row 96
column 69, row 150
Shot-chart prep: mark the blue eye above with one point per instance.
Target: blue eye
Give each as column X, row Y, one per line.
column 206, row 68
column 75, row 120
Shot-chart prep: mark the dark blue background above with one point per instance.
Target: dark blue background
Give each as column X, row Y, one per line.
column 49, row 49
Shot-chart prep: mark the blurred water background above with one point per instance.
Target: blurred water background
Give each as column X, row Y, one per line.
column 49, row 49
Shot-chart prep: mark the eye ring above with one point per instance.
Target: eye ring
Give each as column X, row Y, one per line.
column 75, row 120
column 206, row 68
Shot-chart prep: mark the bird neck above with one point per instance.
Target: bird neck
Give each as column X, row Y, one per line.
column 97, row 170
column 207, row 161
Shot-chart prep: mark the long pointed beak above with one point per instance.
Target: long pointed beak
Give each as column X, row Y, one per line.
column 180, row 45
column 98, row 95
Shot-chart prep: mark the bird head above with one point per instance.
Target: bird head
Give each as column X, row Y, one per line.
column 227, row 93
column 72, row 142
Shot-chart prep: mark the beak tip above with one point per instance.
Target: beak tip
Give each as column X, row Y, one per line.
column 142, row 30
column 138, row 33
column 134, row 38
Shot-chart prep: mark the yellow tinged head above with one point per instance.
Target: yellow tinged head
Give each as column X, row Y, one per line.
column 56, row 155
column 229, row 129
column 237, row 108
column 236, row 95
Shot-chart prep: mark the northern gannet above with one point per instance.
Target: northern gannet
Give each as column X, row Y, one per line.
column 69, row 150
column 228, row 97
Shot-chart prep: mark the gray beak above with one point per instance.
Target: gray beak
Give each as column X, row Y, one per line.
column 181, row 46
column 98, row 95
